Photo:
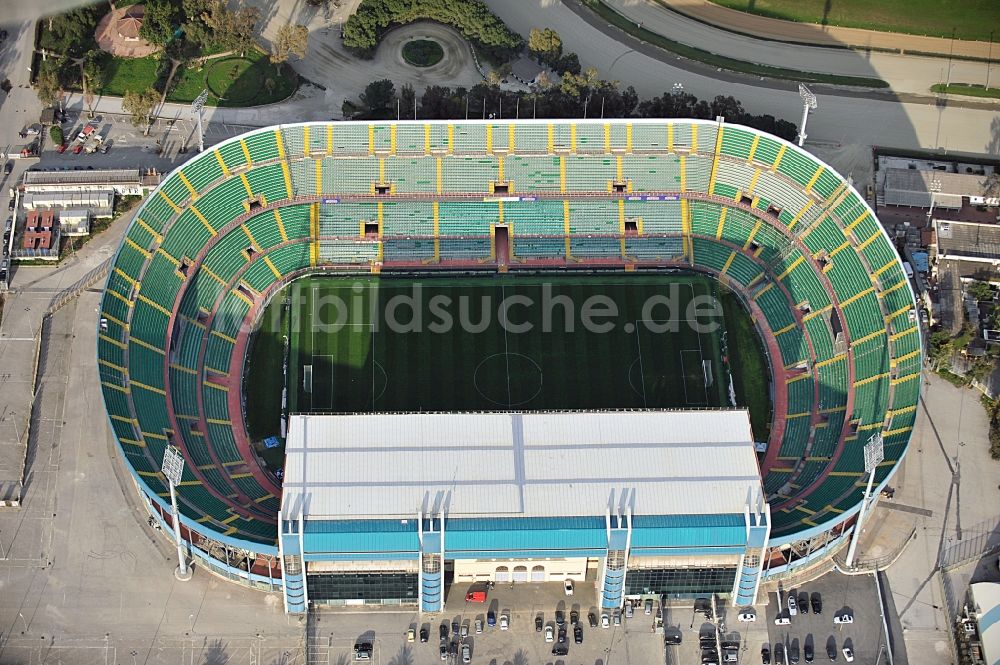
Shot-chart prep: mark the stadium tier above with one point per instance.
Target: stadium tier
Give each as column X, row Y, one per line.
column 783, row 230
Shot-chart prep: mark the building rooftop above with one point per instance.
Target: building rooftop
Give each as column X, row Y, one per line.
column 913, row 187
column 549, row 464
column 986, row 597
column 82, row 177
column 967, row 240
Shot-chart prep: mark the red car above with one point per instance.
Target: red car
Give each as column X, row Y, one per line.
column 77, row 149
column 61, row 148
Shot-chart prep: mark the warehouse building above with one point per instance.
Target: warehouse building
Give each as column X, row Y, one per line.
column 394, row 509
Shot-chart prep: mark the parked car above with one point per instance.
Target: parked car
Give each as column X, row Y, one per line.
column 560, row 617
column 605, row 620
column 479, row 626
column 10, row 206
column 807, row 651
column 792, row 606
column 648, row 606
column 61, row 148
column 672, row 638
column 560, row 650
column 848, row 654
column 628, row 610
column 561, row 636
column 804, row 602
column 616, row 618
column 592, row 620
column 831, row 649
column 464, row 631
column 578, row 634
column 782, row 621
column 443, row 651
column 504, row 621
column 747, row 616
column 77, row 149
column 549, row 634
column 453, row 649
column 466, row 653
column 8, row 168
column 105, row 147
column 574, row 617
column 491, row 618
column 363, row 651
column 443, row 631
column 779, row 653
column 843, row 618
column 539, row 622
column 455, row 627
column 568, row 587
column 425, row 634
column 411, row 635
column 765, row 655
column 817, row 602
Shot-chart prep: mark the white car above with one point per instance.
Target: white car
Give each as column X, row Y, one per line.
column 605, row 620
column 793, row 609
column 568, row 587
column 782, row 621
column 848, row 654
column 549, row 634
column 504, row 622
column 843, row 618
column 747, row 616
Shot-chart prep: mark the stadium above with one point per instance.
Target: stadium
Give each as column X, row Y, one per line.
column 365, row 461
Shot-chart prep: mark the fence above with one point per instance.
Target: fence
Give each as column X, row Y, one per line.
column 78, row 287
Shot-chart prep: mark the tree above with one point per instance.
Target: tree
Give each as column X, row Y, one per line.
column 291, row 39
column 233, row 31
column 70, row 33
column 47, row 87
column 980, row 290
column 377, row 97
column 568, row 63
column 407, row 101
column 56, row 134
column 545, row 45
column 158, row 23
column 140, row 106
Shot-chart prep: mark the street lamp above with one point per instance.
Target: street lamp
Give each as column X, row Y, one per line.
column 874, row 454
column 678, row 88
column 809, row 103
column 196, row 106
column 173, row 469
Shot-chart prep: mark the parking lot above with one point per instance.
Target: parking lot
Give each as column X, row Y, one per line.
column 854, row 595
column 632, row 642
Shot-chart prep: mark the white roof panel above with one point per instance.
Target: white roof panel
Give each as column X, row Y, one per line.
column 519, row 464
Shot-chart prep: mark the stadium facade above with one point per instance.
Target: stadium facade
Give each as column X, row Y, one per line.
column 786, row 233
column 385, row 508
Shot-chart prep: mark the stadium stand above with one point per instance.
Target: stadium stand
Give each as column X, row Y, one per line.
column 229, row 227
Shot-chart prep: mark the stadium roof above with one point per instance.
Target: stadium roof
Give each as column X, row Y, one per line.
column 986, row 597
column 549, row 464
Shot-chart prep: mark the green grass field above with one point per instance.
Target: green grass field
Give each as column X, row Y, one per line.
column 970, row 19
column 568, row 342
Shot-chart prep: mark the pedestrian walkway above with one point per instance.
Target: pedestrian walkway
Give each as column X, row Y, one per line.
column 820, row 35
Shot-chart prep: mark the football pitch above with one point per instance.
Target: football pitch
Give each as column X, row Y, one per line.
column 456, row 343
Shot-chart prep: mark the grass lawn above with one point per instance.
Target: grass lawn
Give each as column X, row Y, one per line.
column 624, row 24
column 422, row 52
column 968, row 90
column 970, row 19
column 241, row 81
column 362, row 361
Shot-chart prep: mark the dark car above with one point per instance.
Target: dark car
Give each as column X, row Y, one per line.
column 539, row 622
column 455, row 627
column 561, row 639
column 453, row 649
column 424, row 634
column 831, row 649
column 807, row 651
column 560, row 617
column 779, row 652
column 491, row 618
column 560, row 650
column 672, row 638
column 817, row 603
column 574, row 617
column 443, row 631
column 765, row 655
column 793, row 653
column 363, row 651
column 443, row 651
column 10, row 206
column 592, row 620
column 578, row 634
column 804, row 602
column 8, row 167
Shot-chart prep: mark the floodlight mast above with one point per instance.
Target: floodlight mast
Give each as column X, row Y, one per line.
column 197, row 105
column 173, row 469
column 874, row 454
column 809, row 103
